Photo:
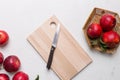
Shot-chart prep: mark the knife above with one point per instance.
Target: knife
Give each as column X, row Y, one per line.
column 53, row 47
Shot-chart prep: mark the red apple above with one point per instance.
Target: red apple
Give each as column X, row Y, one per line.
column 4, row 76
column 20, row 76
column 107, row 22
column 3, row 37
column 111, row 39
column 1, row 58
column 94, row 30
column 11, row 63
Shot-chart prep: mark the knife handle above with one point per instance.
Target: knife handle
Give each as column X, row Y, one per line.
column 50, row 57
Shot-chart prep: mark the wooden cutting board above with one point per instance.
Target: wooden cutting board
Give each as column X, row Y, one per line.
column 69, row 58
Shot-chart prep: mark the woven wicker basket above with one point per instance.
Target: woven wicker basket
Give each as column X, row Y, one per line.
column 95, row 18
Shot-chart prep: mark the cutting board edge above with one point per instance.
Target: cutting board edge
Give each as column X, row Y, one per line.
column 28, row 39
column 82, row 69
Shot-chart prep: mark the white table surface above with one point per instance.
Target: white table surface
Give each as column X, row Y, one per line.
column 21, row 17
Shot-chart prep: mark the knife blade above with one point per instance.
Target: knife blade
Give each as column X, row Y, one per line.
column 53, row 47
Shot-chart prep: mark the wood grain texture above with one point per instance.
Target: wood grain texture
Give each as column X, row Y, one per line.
column 69, row 58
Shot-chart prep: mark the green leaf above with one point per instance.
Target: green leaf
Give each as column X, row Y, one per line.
column 101, row 41
column 103, row 46
column 37, row 78
column 94, row 42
